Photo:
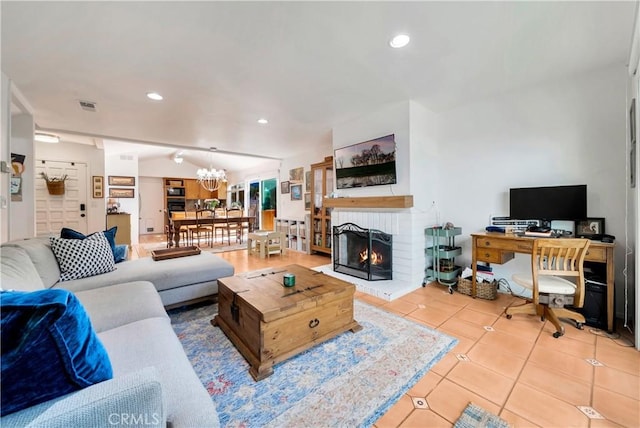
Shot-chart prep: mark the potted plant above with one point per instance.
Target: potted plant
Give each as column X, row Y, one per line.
column 55, row 185
column 211, row 204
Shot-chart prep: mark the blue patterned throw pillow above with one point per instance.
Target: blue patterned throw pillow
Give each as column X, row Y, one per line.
column 80, row 258
column 49, row 348
column 119, row 255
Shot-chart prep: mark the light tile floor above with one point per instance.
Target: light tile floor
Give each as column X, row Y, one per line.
column 513, row 368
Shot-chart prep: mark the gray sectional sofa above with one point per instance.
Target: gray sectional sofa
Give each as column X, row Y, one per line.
column 177, row 280
column 153, row 382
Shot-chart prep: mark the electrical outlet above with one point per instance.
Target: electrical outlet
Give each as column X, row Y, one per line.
column 3, row 202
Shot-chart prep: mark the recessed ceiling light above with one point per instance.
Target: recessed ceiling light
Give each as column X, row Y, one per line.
column 46, row 138
column 154, row 96
column 263, row 121
column 399, row 41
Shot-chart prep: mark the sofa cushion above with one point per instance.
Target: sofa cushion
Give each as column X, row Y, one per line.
column 119, row 304
column 152, row 342
column 18, row 273
column 81, row 258
column 119, row 253
column 45, row 262
column 49, row 348
column 165, row 274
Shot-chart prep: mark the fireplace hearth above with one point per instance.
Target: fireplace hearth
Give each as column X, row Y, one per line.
column 363, row 253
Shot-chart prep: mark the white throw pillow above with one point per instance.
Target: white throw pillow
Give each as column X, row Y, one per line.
column 80, row 258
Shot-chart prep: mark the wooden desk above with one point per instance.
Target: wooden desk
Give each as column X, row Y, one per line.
column 191, row 220
column 499, row 248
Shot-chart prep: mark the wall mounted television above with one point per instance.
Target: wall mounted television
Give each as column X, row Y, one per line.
column 548, row 203
column 370, row 163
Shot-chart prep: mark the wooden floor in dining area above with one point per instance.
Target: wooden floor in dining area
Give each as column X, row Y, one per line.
column 513, row 368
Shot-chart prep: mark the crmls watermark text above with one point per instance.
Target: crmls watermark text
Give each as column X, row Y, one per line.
column 134, row 419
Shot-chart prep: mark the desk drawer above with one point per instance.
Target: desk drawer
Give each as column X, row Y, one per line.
column 519, row 246
column 595, row 254
column 493, row 255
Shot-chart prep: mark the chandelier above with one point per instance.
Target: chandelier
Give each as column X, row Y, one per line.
column 211, row 178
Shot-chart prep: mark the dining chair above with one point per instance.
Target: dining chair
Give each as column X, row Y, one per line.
column 204, row 226
column 556, row 280
column 184, row 230
column 234, row 224
column 219, row 213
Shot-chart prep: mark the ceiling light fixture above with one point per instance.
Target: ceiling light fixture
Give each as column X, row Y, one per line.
column 263, row 121
column 46, row 138
column 400, row 41
column 211, row 178
column 178, row 159
column 154, row 96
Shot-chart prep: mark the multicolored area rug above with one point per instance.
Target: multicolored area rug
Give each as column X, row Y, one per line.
column 476, row 417
column 350, row 380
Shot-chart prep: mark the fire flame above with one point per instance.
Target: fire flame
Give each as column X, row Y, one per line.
column 376, row 258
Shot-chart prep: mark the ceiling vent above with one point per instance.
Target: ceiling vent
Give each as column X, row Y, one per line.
column 88, row 105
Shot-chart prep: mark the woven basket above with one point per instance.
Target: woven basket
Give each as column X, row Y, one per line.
column 484, row 290
column 55, row 187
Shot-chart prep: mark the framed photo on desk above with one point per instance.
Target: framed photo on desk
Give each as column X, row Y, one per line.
column 589, row 226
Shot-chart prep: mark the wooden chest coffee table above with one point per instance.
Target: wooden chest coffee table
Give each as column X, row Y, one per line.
column 269, row 323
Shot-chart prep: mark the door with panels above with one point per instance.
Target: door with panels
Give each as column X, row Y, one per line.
column 53, row 212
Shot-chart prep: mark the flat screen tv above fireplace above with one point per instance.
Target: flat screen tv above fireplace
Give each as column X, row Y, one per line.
column 371, row 163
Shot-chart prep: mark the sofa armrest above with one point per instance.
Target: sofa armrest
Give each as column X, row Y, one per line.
column 133, row 399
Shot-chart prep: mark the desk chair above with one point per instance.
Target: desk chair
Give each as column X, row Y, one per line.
column 552, row 262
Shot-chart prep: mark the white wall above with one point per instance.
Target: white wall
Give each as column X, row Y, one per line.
column 287, row 208
column 570, row 131
column 23, row 212
column 5, row 155
column 165, row 167
column 633, row 194
column 126, row 165
column 94, row 158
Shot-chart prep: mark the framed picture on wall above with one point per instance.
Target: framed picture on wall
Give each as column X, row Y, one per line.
column 296, row 192
column 98, row 186
column 307, row 181
column 307, row 201
column 115, row 180
column 296, row 174
column 284, row 187
column 115, row 192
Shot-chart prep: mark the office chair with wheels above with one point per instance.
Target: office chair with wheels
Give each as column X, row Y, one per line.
column 553, row 263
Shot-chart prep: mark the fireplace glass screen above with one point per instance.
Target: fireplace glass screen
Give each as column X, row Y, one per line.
column 363, row 253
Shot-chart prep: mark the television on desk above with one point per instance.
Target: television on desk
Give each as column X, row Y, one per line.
column 548, row 203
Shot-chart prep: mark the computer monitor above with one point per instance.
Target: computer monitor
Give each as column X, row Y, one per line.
column 548, row 203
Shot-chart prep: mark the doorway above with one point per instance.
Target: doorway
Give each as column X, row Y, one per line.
column 53, row 212
column 268, row 203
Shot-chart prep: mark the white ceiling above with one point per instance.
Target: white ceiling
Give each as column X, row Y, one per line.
column 305, row 66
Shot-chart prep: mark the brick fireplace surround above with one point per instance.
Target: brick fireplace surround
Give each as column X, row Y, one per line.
column 407, row 227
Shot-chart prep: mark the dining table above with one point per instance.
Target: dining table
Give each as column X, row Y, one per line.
column 189, row 220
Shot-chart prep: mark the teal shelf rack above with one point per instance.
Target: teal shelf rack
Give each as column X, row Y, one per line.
column 443, row 252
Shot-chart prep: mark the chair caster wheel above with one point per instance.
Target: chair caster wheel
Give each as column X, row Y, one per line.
column 509, row 316
column 579, row 326
column 451, row 291
column 424, row 284
column 557, row 334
